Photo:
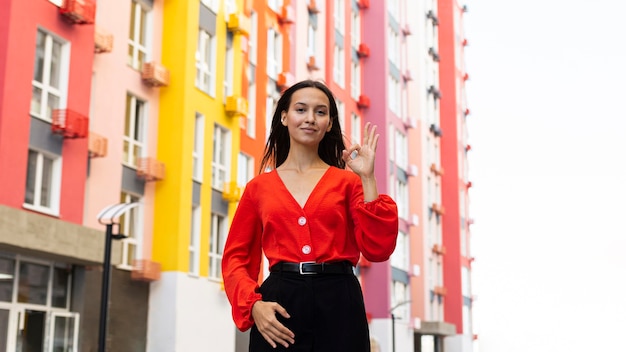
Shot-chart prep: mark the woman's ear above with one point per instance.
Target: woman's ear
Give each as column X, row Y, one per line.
column 283, row 117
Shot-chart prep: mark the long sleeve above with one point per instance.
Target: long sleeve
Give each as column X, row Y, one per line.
column 241, row 261
column 375, row 225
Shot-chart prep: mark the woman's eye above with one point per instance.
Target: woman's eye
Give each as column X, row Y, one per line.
column 299, row 109
column 321, row 112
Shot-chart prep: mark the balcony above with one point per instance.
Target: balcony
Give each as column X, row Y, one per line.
column 285, row 80
column 363, row 51
column 97, row 145
column 312, row 64
column 438, row 209
column 363, row 102
column 154, row 74
column 238, row 23
column 439, row 249
column 150, row 169
column 79, row 11
column 312, row 7
column 286, row 15
column 145, row 270
column 363, row 4
column 236, row 106
column 69, row 123
column 231, row 192
column 435, row 170
column 103, row 41
column 440, row 290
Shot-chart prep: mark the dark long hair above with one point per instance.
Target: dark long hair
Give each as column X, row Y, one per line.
column 277, row 147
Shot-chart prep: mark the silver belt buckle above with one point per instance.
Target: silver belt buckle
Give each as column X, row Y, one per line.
column 306, row 273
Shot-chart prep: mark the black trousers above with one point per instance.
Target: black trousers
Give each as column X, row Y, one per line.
column 327, row 313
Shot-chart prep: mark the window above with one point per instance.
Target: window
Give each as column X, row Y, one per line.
column 198, row 148
column 355, row 79
column 251, row 116
column 43, row 182
column 394, row 95
column 245, row 169
column 205, row 63
column 229, row 66
column 339, row 15
column 400, row 300
column 133, row 130
column 137, row 39
column 400, row 256
column 214, row 5
column 402, row 199
column 341, row 110
column 270, row 102
column 355, row 126
column 130, row 226
column 274, row 53
column 401, row 149
column 194, row 241
column 310, row 42
column 355, row 29
column 394, row 46
column 221, row 157
column 254, row 39
column 40, row 305
column 216, row 246
column 50, row 77
column 393, row 7
column 339, row 66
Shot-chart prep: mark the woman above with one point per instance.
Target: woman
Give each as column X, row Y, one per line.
column 312, row 219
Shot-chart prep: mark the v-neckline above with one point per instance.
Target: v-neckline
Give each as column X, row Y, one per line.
column 313, row 190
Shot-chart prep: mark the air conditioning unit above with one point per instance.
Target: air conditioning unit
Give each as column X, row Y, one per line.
column 286, row 15
column 363, row 102
column 415, row 220
column 412, row 170
column 285, row 80
column 145, row 270
column 238, row 23
column 79, row 11
column 103, row 41
column 231, row 192
column 155, row 74
column 97, row 145
column 363, row 51
column 363, row 4
column 69, row 123
column 311, row 64
column 236, row 106
column 312, row 7
column 150, row 169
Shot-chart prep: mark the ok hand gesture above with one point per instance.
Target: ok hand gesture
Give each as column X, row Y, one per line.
column 363, row 163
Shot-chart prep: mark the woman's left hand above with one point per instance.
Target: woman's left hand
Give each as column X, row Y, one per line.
column 363, row 163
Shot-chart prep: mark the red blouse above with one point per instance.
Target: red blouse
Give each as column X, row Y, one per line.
column 335, row 224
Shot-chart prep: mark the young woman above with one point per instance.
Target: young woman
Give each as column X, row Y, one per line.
column 312, row 219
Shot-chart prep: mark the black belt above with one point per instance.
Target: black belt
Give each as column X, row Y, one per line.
column 312, row 268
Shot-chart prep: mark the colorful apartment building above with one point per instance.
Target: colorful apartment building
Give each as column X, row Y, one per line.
column 166, row 105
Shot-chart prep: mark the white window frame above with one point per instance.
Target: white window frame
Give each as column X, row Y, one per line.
column 205, row 62
column 402, row 199
column 254, row 39
column 229, row 69
column 400, row 256
column 52, row 334
column 134, row 130
column 194, row 241
column 355, row 129
column 245, row 169
column 339, row 66
column 311, row 40
column 275, row 5
column 355, row 79
column 133, row 230
column 252, row 91
column 137, row 47
column 214, row 5
column 198, row 149
column 339, row 15
column 54, row 192
column 216, row 246
column 355, row 29
column 341, row 112
column 43, row 108
column 221, row 157
column 274, row 53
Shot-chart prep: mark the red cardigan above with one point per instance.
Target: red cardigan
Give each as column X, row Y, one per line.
column 335, row 224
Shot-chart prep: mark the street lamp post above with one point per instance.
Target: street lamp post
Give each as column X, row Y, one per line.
column 108, row 217
column 393, row 324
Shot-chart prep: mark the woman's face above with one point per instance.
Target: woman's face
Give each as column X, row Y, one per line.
column 308, row 117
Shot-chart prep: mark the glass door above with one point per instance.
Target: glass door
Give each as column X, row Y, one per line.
column 63, row 332
column 5, row 315
column 30, row 330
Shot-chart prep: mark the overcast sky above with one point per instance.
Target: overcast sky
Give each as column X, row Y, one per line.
column 548, row 166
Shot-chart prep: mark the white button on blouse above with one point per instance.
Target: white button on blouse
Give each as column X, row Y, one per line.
column 301, row 221
column 306, row 249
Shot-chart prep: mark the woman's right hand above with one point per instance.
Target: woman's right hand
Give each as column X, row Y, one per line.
column 264, row 315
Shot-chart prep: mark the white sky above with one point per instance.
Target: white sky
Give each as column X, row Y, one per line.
column 548, row 168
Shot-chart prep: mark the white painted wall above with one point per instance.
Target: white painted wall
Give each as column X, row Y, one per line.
column 193, row 315
column 458, row 343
